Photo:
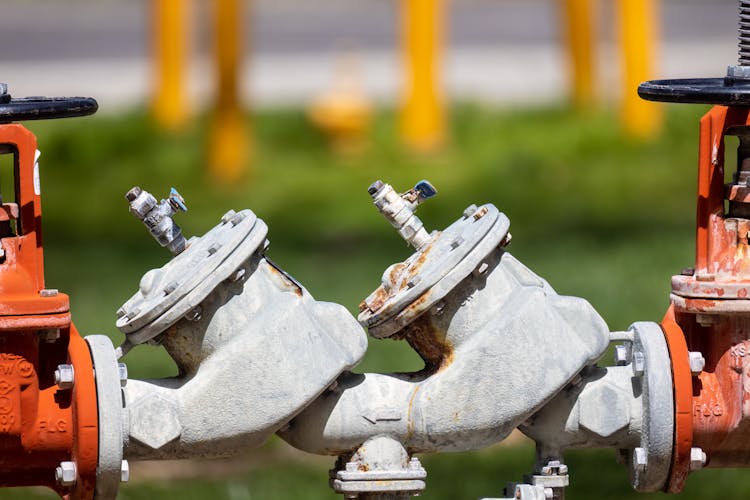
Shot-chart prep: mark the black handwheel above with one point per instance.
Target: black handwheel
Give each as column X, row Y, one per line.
column 724, row 91
column 43, row 108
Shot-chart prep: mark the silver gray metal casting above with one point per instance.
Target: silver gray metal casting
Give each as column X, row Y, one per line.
column 253, row 348
column 502, row 350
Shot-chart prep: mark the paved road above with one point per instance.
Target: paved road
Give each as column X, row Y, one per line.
column 101, row 46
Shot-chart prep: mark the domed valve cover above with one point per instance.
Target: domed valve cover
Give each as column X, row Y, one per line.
column 165, row 295
column 411, row 287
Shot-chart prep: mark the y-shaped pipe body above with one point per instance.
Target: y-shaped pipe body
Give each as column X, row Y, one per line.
column 497, row 347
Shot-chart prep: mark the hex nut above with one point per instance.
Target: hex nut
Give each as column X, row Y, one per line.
column 639, row 363
column 697, row 362
column 124, row 472
column 65, row 474
column 602, row 411
column 697, row 459
column 65, row 376
column 154, row 422
column 122, row 370
column 622, row 354
column 640, row 459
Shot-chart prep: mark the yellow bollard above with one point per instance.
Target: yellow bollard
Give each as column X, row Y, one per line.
column 229, row 140
column 580, row 37
column 169, row 38
column 423, row 113
column 638, row 40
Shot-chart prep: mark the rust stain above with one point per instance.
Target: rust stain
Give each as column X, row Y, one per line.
column 409, row 420
column 286, row 281
column 430, row 343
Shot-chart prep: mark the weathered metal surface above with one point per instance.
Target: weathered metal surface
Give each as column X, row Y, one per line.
column 483, row 344
column 167, row 294
column 411, row 287
column 249, row 324
column 46, row 425
column 710, row 316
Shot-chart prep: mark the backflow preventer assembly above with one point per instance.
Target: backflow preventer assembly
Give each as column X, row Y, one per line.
column 502, row 350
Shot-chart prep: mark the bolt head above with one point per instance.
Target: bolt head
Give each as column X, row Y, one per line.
column 469, row 211
column 639, row 363
column 697, row 362
column 640, row 459
column 65, row 376
column 65, row 473
column 125, row 471
column 621, row 354
column 697, row 459
column 122, row 369
column 352, row 466
column 49, row 335
column 48, row 292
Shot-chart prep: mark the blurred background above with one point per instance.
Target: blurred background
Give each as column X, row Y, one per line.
column 293, row 108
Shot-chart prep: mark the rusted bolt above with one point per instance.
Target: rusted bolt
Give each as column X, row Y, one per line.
column 480, row 213
column 697, row 459
column 704, row 276
column 697, row 362
column 65, row 376
column 640, row 459
column 48, row 292
column 506, row 241
column 65, row 474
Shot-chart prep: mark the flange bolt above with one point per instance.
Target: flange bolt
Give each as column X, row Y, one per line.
column 65, row 474
column 65, row 376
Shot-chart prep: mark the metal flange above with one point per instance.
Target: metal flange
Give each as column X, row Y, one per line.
column 411, row 287
column 167, row 294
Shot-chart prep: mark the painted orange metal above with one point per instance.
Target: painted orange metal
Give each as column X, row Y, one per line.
column 40, row 423
column 683, row 403
column 710, row 313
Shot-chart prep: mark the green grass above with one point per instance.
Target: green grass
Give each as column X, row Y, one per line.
column 598, row 215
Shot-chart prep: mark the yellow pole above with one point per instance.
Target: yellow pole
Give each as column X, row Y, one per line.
column 638, row 35
column 170, row 40
column 581, row 47
column 423, row 114
column 229, row 147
